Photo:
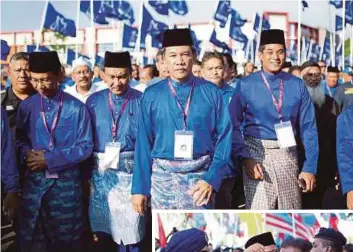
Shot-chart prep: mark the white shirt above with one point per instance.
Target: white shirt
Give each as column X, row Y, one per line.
column 141, row 87
column 95, row 87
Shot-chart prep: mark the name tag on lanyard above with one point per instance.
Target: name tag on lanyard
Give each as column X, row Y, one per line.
column 183, row 145
column 111, row 156
column 51, row 131
column 285, row 134
column 183, row 139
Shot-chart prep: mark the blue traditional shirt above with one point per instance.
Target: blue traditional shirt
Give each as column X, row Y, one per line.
column 73, row 141
column 160, row 117
column 98, row 107
column 253, row 107
column 9, row 170
column 345, row 149
column 344, row 95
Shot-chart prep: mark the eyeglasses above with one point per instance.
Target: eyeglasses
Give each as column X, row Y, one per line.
column 40, row 81
column 313, row 74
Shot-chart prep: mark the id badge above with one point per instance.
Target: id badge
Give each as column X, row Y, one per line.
column 285, row 134
column 348, row 91
column 183, row 144
column 111, row 156
column 51, row 175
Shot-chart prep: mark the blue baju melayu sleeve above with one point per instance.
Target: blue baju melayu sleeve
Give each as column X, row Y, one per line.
column 252, row 110
column 160, row 117
column 9, row 170
column 73, row 134
column 345, row 149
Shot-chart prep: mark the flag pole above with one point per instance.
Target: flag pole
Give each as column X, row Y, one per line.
column 299, row 32
column 261, row 14
column 203, row 48
column 92, row 30
column 42, row 23
column 77, row 27
column 343, row 30
column 139, row 31
column 334, row 42
column 351, row 45
column 293, row 225
column 332, row 50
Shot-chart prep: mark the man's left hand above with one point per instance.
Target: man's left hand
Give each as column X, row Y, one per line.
column 36, row 161
column 309, row 179
column 11, row 204
column 201, row 193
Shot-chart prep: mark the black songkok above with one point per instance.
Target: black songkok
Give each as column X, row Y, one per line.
column 332, row 235
column 44, row 62
column 265, row 239
column 117, row 59
column 177, row 37
column 274, row 36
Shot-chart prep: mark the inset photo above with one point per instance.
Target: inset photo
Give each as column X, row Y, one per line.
column 253, row 232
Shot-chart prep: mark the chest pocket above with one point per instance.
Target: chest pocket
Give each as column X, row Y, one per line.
column 202, row 116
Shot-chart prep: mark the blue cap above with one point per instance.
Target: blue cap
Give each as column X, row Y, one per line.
column 189, row 240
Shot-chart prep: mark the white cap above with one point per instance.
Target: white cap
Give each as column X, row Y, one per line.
column 81, row 62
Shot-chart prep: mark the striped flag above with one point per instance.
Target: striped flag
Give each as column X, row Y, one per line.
column 162, row 237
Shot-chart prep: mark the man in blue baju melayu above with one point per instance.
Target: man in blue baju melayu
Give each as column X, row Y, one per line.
column 184, row 135
column 268, row 110
column 114, row 112
column 53, row 136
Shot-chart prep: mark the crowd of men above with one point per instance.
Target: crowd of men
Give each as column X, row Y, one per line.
column 195, row 240
column 107, row 145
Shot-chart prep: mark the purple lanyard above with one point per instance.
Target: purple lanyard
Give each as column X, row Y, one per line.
column 187, row 106
column 278, row 104
column 123, row 107
column 55, row 121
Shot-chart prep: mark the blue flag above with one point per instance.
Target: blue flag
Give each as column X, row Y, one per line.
column 237, row 34
column 197, row 42
column 326, row 53
column 33, row 48
column 337, row 3
column 160, row 6
column 293, row 54
column 120, row 10
column 265, row 23
column 218, row 43
column 179, row 7
column 315, row 52
column 339, row 23
column 223, row 10
column 236, row 19
column 338, row 54
column 57, row 22
column 98, row 60
column 305, row 5
column 5, row 49
column 150, row 26
column 71, row 56
column 129, row 36
column 349, row 12
column 98, row 14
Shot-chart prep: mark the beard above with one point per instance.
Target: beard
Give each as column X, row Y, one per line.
column 317, row 95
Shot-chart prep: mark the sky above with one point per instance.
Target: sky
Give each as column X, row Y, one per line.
column 26, row 15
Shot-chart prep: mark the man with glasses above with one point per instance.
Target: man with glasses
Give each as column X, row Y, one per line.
column 53, row 135
column 269, row 109
column 328, row 240
column 326, row 112
column 82, row 75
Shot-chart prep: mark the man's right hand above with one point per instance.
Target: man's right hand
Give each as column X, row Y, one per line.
column 139, row 202
column 253, row 169
column 350, row 200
